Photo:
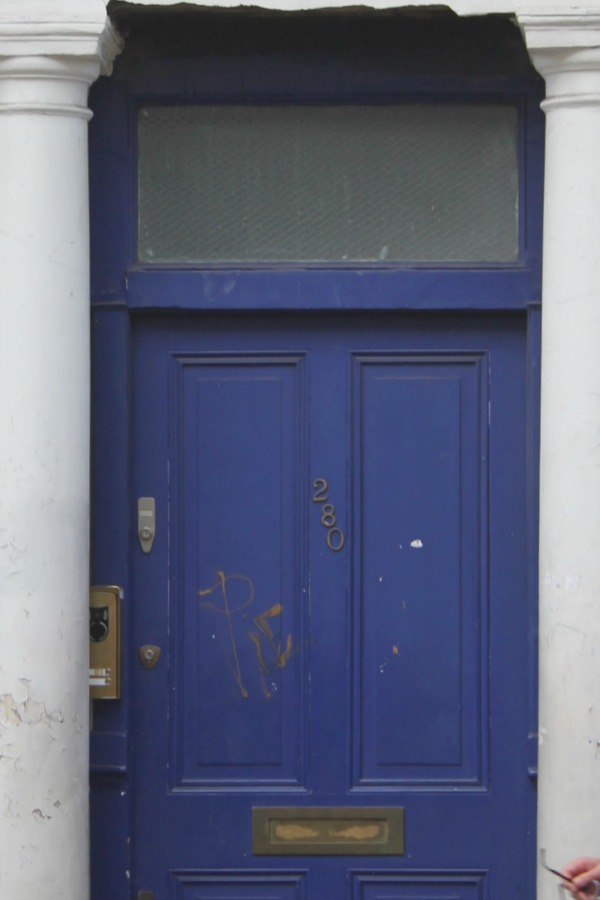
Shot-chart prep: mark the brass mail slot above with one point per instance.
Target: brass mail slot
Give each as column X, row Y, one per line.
column 328, row 831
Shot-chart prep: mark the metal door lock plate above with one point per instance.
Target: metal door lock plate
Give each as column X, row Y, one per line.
column 149, row 655
column 146, row 522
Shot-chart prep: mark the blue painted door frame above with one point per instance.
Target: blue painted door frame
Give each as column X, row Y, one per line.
column 410, row 346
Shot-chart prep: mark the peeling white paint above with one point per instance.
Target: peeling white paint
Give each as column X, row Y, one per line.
column 39, row 816
column 553, row 581
column 27, row 711
column 572, row 583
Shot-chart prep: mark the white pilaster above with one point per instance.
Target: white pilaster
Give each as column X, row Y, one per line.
column 45, row 72
column 566, row 51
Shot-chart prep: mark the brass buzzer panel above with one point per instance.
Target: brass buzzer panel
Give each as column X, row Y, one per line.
column 105, row 643
column 328, row 831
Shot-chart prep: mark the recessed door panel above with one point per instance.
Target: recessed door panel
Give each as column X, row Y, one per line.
column 455, row 886
column 421, row 467
column 237, row 460
column 238, row 886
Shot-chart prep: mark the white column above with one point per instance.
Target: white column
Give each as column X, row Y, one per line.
column 566, row 51
column 45, row 73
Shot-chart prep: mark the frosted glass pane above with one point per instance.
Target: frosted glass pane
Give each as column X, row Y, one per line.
column 327, row 183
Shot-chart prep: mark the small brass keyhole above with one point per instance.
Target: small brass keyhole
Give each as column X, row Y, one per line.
column 149, row 655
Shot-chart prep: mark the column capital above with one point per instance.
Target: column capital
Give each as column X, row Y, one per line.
column 48, row 66
column 75, row 39
column 565, row 49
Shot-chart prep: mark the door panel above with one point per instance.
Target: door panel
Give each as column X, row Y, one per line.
column 236, row 535
column 245, row 887
column 399, row 887
column 419, row 509
column 338, row 585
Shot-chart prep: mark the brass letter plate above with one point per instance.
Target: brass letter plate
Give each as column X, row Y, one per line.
column 328, row 831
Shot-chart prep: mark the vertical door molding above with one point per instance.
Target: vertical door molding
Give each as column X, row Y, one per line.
column 45, row 72
column 566, row 51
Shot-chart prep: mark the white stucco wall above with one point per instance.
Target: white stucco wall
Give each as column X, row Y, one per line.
column 62, row 11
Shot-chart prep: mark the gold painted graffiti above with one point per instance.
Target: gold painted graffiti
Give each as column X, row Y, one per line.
column 270, row 652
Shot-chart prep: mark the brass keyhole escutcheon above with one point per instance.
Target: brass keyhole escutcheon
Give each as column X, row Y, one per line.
column 149, row 655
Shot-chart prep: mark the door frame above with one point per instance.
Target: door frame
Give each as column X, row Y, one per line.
column 122, row 290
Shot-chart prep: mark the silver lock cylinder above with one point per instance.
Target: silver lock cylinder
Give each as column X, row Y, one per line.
column 146, row 522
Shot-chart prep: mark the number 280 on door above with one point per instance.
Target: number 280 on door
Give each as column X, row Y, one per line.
column 335, row 536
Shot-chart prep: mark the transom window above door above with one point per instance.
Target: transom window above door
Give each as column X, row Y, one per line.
column 315, row 184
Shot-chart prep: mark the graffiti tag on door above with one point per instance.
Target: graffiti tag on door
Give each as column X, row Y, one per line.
column 270, row 652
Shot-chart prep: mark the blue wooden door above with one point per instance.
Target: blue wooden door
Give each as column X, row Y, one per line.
column 337, row 586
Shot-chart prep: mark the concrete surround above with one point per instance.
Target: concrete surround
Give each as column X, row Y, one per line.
column 50, row 52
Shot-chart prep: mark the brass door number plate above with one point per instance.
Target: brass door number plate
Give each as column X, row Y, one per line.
column 328, row 831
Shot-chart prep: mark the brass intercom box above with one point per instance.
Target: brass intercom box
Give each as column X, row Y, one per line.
column 105, row 642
